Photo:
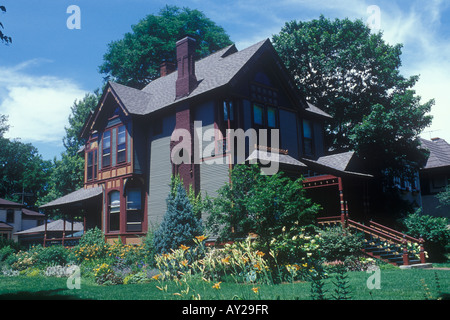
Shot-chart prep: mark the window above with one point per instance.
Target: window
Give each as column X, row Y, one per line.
column 134, row 209
column 271, row 117
column 92, row 165
column 121, row 145
column 114, row 211
column 308, row 147
column 106, row 149
column 258, row 111
column 10, row 216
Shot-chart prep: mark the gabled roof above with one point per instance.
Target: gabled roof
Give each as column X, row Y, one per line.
column 439, row 153
column 7, row 203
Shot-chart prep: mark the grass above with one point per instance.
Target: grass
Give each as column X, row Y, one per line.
column 396, row 284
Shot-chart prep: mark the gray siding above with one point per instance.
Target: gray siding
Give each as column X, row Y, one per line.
column 160, row 173
column 212, row 178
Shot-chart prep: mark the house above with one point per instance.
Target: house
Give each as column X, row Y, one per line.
column 434, row 176
column 198, row 121
column 14, row 218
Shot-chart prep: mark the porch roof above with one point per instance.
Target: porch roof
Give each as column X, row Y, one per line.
column 74, row 198
column 273, row 156
column 57, row 226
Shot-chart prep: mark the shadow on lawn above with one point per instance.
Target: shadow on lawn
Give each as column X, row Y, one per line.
column 38, row 295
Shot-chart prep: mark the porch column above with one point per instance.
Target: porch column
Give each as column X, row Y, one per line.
column 45, row 229
column 341, row 198
column 64, row 229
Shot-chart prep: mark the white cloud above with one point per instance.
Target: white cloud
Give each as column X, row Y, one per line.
column 37, row 106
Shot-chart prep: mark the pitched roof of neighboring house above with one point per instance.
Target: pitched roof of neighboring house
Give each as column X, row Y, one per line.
column 273, row 156
column 439, row 153
column 75, row 197
column 31, row 213
column 57, row 225
column 7, row 203
column 5, row 226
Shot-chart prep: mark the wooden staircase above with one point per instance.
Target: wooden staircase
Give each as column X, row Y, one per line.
column 382, row 242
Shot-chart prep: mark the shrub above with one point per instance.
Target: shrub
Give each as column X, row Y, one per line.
column 92, row 237
column 180, row 225
column 5, row 252
column 104, row 275
column 433, row 230
column 338, row 244
column 52, row 255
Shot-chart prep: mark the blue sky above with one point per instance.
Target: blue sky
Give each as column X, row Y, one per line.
column 48, row 66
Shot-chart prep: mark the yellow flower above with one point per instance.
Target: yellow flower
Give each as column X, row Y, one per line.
column 156, row 277
column 217, row 285
column 226, row 260
column 184, row 247
column 260, row 253
column 200, row 238
column 255, row 290
column 304, row 265
column 184, row 262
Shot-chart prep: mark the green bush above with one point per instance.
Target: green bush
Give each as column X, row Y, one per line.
column 434, row 231
column 5, row 252
column 92, row 237
column 338, row 244
column 53, row 255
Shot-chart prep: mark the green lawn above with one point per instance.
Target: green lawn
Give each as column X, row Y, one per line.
column 396, row 284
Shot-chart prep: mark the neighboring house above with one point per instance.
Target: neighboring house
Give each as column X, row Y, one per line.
column 434, row 176
column 177, row 124
column 15, row 218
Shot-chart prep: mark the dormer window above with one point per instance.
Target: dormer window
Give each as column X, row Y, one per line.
column 308, row 145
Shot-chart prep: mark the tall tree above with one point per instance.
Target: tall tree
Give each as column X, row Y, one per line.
column 354, row 75
column 22, row 169
column 135, row 60
column 4, row 38
column 68, row 172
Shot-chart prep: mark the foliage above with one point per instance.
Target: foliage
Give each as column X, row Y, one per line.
column 22, row 169
column 434, row 231
column 354, row 75
column 179, row 225
column 341, row 290
column 3, row 37
column 52, row 255
column 135, row 59
column 5, row 252
column 92, row 237
column 338, row 244
column 104, row 275
column 68, row 172
column 261, row 204
column 444, row 196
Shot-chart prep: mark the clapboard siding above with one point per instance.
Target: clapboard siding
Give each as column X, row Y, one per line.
column 160, row 173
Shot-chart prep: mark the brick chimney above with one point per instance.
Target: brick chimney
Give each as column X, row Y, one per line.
column 187, row 81
column 166, row 67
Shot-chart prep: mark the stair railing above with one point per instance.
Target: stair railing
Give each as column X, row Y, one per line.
column 381, row 232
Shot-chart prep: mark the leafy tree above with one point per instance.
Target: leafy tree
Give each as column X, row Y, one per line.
column 4, row 38
column 4, row 127
column 22, row 169
column 135, row 59
column 262, row 204
column 81, row 110
column 180, row 225
column 354, row 75
column 68, row 173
